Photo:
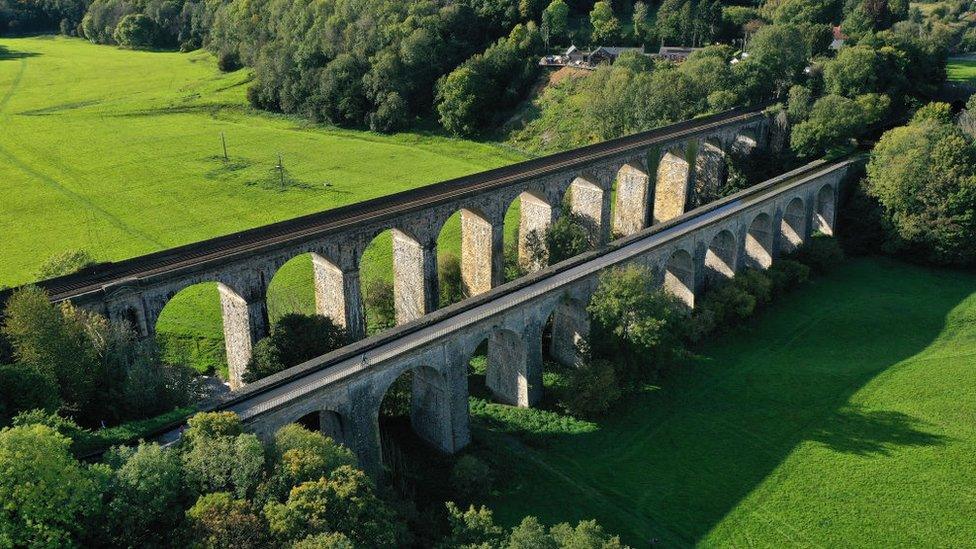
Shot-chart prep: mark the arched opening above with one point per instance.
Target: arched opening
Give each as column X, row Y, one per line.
column 793, row 226
column 527, row 221
column 759, row 243
column 292, row 289
column 414, row 418
column 585, row 198
column 201, row 320
column 466, row 259
column 327, row 422
column 190, row 329
column 565, row 329
column 824, row 213
column 746, row 141
column 398, row 276
column 631, row 200
column 679, row 277
column 710, row 173
column 720, row 259
column 671, row 186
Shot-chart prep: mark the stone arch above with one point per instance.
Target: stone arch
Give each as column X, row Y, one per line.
column 745, row 142
column 710, row 173
column 310, row 283
column 535, row 215
column 824, row 213
column 396, row 256
column 671, row 184
column 679, row 277
column 568, row 323
column 429, row 403
column 587, row 199
column 241, row 323
column 328, row 422
column 632, row 200
column 720, row 258
column 759, row 242
column 793, row 226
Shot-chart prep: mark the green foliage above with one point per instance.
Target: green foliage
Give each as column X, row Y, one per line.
column 470, row 478
column 635, row 324
column 294, row 338
column 332, row 540
column 569, row 236
column 924, row 176
column 218, row 456
column 474, row 94
column 476, row 528
column 835, row 120
column 472, row 528
column 606, row 26
column 220, row 521
column 938, row 112
column 135, row 30
column 65, row 263
column 820, row 253
column 592, row 388
column 555, row 20
column 49, row 499
column 787, row 274
column 146, row 495
column 208, row 425
column 344, row 502
column 798, row 103
column 23, row 388
column 299, row 455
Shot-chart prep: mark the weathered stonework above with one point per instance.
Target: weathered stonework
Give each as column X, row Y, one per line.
column 671, row 190
column 477, row 259
column 414, row 277
column 632, row 204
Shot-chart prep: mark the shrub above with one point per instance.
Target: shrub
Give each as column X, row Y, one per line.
column 569, row 236
column 727, row 303
column 79, row 436
column 294, row 339
column 380, row 305
column 820, row 253
column 136, row 30
column 218, row 520
column 24, row 388
column 787, row 274
column 470, row 478
column 756, row 283
column 228, row 61
column 299, row 455
column 592, row 388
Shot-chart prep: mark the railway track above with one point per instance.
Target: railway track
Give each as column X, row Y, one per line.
column 95, row 278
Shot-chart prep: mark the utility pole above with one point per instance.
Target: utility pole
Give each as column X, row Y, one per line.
column 223, row 141
column 281, row 171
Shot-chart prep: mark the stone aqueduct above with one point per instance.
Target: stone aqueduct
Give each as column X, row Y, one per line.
column 663, row 180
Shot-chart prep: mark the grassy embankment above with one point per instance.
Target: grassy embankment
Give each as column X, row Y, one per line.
column 841, row 416
column 119, row 153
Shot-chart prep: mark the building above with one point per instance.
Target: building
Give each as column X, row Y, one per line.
column 676, row 54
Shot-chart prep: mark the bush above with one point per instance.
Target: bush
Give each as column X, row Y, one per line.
column 449, row 279
column 592, row 388
column 380, row 305
column 147, row 495
column 136, row 30
column 228, row 61
column 727, row 304
column 294, row 339
column 756, row 283
column 820, row 253
column 470, row 478
column 218, row 521
column 24, row 389
column 787, row 274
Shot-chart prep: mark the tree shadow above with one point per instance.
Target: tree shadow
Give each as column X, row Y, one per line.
column 852, row 430
column 6, row 54
column 681, row 458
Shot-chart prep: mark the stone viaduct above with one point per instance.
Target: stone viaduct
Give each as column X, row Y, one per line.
column 342, row 392
column 655, row 176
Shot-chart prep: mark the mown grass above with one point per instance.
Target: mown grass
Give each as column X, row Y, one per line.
column 119, row 153
column 961, row 70
column 840, row 417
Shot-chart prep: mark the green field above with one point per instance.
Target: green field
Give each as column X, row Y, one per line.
column 841, row 417
column 118, row 152
column 961, row 70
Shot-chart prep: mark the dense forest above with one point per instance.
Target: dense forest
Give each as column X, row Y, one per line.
column 388, row 66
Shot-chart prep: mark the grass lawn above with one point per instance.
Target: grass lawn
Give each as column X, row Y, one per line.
column 841, row 417
column 118, row 152
column 961, row 70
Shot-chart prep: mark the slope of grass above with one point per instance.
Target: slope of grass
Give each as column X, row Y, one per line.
column 841, row 417
column 119, row 153
column 961, row 69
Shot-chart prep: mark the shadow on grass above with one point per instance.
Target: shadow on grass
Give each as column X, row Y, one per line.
column 673, row 463
column 7, row 54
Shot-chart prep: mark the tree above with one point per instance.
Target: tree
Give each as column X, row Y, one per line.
column 49, row 499
column 344, row 502
column 670, row 23
column 555, row 18
column 219, row 521
column 606, row 26
column 449, row 279
column 634, row 323
column 219, row 457
column 924, row 176
column 782, row 50
column 472, row 528
column 855, row 71
column 299, row 455
column 136, row 30
column 23, row 388
column 294, row 338
column 147, row 495
column 587, row 533
column 835, row 120
column 379, row 304
column 569, row 236
column 643, row 30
